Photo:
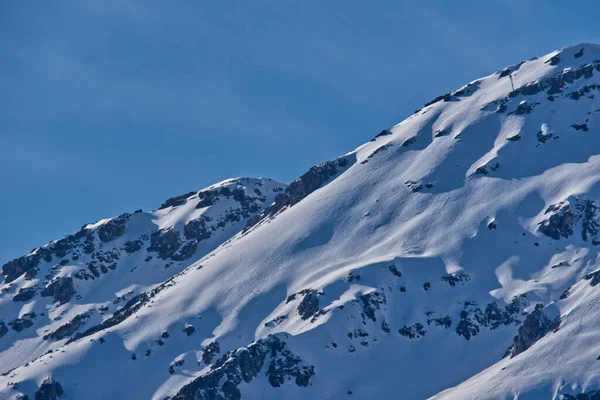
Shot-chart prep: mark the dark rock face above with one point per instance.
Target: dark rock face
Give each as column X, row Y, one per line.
column 49, row 390
column 560, row 223
column 243, row 365
column 309, row 306
column 189, row 330
column 165, row 243
column 210, row 352
column 197, row 229
column 186, row 252
column 580, row 127
column 26, row 321
column 113, row 228
column 133, row 305
column 62, row 289
column 590, row 226
column 395, row 271
column 562, row 219
column 176, row 201
column 302, row 187
column 131, row 246
column 3, row 329
column 472, row 318
column 446, row 321
column 68, row 329
column 24, row 294
column 536, row 325
column 413, row 332
column 371, row 302
column 17, row 267
column 593, row 277
column 455, row 278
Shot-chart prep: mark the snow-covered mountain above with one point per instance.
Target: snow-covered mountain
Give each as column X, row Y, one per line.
column 454, row 256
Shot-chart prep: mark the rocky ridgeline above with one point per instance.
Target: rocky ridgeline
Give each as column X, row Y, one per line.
column 97, row 249
column 312, row 180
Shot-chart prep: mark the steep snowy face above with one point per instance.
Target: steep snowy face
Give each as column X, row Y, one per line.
column 453, row 256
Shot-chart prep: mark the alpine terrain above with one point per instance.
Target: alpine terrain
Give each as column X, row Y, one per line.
column 453, row 256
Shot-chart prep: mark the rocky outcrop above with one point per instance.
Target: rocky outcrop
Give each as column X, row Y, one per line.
column 25, row 294
column 537, row 324
column 131, row 246
column 24, row 322
column 210, row 352
column 113, row 228
column 243, row 365
column 133, row 305
column 61, row 289
column 165, row 243
column 413, row 332
column 49, row 390
column 309, row 306
column 455, row 278
column 68, row 329
column 302, row 187
column 370, row 302
column 176, row 201
column 473, row 318
column 560, row 223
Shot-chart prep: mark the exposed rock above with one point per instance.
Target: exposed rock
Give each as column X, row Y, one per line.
column 395, row 271
column 62, row 289
column 302, row 187
column 189, row 329
column 580, row 127
column 491, row 317
column 49, row 390
column 455, row 278
column 25, row 294
column 446, row 321
column 560, row 223
column 131, row 246
column 113, row 228
column 69, row 328
column 370, row 302
column 413, row 332
column 134, row 304
column 537, row 324
column 3, row 329
column 243, row 365
column 210, row 351
column 309, row 305
column 176, row 201
column 165, row 243
column 17, row 267
column 590, row 226
column 197, row 229
column 26, row 321
column 384, row 132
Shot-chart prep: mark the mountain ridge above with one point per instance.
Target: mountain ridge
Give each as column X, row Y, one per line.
column 455, row 250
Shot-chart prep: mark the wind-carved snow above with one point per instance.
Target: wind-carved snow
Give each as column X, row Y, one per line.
column 453, row 256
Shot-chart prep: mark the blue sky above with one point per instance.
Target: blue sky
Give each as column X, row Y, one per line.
column 111, row 106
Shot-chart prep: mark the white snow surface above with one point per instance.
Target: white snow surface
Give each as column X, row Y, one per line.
column 425, row 225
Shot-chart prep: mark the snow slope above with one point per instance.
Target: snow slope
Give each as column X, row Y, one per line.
column 454, row 256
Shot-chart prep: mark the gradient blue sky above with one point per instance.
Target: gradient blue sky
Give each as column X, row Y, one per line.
column 109, row 106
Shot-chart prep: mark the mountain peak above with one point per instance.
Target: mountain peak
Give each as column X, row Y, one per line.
column 468, row 231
